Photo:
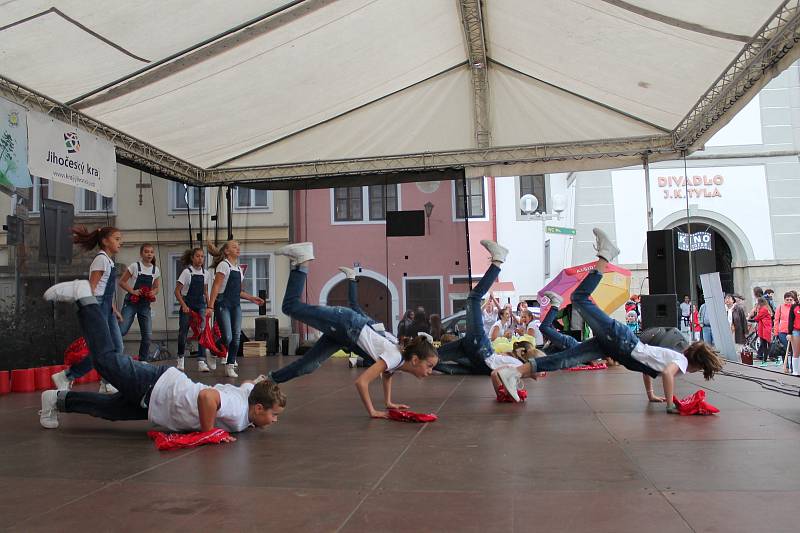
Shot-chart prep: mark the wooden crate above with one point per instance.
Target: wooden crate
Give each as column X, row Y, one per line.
column 255, row 349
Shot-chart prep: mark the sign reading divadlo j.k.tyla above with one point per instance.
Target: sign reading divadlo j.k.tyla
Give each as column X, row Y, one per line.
column 61, row 152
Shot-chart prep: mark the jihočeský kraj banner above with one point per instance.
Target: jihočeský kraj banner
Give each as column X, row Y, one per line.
column 67, row 154
column 13, row 145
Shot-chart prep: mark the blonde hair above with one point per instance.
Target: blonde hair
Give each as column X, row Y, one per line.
column 218, row 253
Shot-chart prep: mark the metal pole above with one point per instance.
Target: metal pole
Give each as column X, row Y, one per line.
column 58, row 242
column 692, row 284
column 646, row 165
column 230, row 212
column 466, row 232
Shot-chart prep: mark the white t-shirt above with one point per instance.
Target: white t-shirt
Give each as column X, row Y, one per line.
column 507, row 326
column 685, row 308
column 151, row 270
column 173, row 404
column 226, row 268
column 379, row 347
column 496, row 360
column 101, row 262
column 185, row 279
column 534, row 325
column 659, row 358
column 489, row 318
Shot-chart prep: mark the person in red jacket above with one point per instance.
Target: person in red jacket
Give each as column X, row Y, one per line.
column 763, row 320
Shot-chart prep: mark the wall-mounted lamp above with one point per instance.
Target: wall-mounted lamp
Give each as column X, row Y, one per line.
column 428, row 210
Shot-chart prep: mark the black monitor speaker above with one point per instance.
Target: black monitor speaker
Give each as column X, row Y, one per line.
column 405, row 223
column 661, row 261
column 660, row 310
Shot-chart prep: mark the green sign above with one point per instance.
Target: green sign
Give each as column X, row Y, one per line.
column 559, row 231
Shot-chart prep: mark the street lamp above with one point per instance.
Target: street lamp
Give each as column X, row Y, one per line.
column 529, row 204
column 428, row 210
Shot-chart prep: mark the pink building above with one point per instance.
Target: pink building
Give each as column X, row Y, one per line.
column 347, row 226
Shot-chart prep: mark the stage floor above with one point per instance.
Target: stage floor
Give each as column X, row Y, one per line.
column 585, row 453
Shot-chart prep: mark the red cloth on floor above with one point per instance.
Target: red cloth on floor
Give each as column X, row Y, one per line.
column 195, row 324
column 694, row 404
column 504, row 397
column 209, row 337
column 147, row 294
column 411, row 416
column 601, row 366
column 76, row 352
column 176, row 441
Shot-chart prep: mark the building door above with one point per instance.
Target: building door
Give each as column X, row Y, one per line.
column 373, row 297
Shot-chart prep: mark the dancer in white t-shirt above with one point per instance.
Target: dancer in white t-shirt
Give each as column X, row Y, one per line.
column 353, row 331
column 164, row 395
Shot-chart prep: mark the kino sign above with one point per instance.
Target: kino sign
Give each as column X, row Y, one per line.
column 700, row 240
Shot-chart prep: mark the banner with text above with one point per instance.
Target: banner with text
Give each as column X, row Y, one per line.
column 13, row 145
column 67, row 154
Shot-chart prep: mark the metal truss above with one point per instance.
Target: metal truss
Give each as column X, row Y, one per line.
column 772, row 42
column 472, row 20
column 541, row 153
column 131, row 149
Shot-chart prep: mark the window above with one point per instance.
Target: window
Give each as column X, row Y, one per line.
column 182, row 196
column 476, row 198
column 40, row 191
column 257, row 277
column 94, row 202
column 534, row 185
column 382, row 198
column 347, row 204
column 425, row 293
column 547, row 258
column 364, row 204
column 247, row 198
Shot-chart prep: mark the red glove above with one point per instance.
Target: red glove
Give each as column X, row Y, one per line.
column 411, row 416
column 176, row 441
column 76, row 352
column 195, row 323
column 601, row 366
column 208, row 339
column 694, row 404
column 504, row 397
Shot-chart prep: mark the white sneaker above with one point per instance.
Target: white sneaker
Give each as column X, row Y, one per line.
column 69, row 291
column 499, row 253
column 511, row 380
column 179, row 364
column 202, row 366
column 211, row 361
column 606, row 249
column 61, row 381
column 555, row 299
column 352, row 362
column 107, row 388
column 299, row 252
column 350, row 273
column 48, row 416
column 230, row 371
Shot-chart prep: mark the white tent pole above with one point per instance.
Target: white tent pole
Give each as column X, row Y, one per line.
column 646, row 165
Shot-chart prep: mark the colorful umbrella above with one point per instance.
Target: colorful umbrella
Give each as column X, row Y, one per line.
column 613, row 291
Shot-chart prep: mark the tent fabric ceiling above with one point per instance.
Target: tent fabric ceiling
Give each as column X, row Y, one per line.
column 331, row 80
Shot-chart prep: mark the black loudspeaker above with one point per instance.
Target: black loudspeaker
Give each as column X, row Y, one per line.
column 55, row 235
column 660, row 310
column 661, row 261
column 405, row 223
column 267, row 330
column 262, row 309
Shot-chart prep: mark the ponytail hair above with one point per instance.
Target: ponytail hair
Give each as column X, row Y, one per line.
column 217, row 253
column 147, row 245
column 186, row 258
column 421, row 347
column 89, row 240
column 701, row 355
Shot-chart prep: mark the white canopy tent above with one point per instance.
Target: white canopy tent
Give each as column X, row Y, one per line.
column 316, row 92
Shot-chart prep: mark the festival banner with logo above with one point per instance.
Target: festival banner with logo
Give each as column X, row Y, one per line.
column 13, row 145
column 67, row 154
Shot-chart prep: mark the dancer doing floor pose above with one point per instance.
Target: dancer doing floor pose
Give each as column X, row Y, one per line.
column 350, row 330
column 615, row 340
column 161, row 394
column 102, row 282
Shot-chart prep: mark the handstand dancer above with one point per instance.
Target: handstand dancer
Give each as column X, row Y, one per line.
column 161, row 394
column 344, row 328
column 615, row 340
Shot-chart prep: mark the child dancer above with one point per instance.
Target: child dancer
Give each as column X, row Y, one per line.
column 191, row 291
column 616, row 340
column 344, row 328
column 145, row 276
column 161, row 394
column 102, row 282
column 225, row 299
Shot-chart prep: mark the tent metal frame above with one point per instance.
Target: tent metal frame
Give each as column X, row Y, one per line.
column 761, row 59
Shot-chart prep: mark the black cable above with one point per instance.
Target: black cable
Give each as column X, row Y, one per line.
column 769, row 384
